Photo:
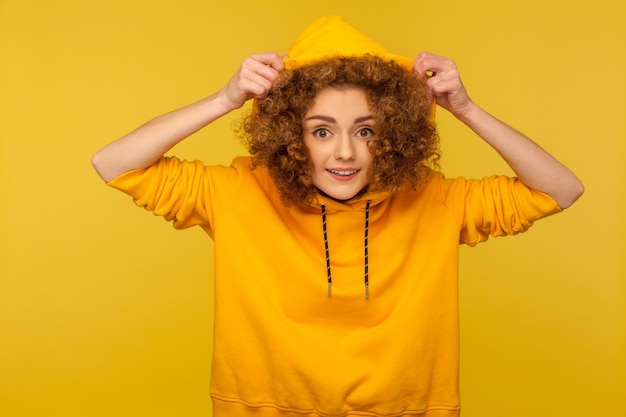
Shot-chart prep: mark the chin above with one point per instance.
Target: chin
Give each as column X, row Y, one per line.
column 343, row 196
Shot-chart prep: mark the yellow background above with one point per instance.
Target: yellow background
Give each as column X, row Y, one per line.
column 105, row 310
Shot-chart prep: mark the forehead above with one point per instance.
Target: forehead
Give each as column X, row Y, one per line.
column 340, row 99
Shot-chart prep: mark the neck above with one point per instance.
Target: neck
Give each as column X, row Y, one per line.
column 356, row 196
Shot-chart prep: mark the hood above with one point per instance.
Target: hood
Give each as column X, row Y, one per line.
column 330, row 37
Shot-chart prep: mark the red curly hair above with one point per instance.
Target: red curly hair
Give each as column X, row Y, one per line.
column 406, row 141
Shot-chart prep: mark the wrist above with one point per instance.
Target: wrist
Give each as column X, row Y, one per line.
column 470, row 113
column 218, row 104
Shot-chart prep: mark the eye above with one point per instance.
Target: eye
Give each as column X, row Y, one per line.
column 321, row 133
column 365, row 132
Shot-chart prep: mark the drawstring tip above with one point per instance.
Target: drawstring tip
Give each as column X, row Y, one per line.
column 329, row 285
column 367, row 291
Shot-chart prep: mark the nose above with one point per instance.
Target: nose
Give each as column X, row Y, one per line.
column 344, row 148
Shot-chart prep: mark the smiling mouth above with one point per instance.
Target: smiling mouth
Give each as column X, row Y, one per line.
column 343, row 172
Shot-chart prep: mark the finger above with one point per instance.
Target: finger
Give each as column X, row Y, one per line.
column 445, row 84
column 422, row 63
column 278, row 62
column 444, row 87
column 254, row 65
column 254, row 85
column 270, row 59
column 428, row 65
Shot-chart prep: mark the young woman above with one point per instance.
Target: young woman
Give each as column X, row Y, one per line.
column 336, row 241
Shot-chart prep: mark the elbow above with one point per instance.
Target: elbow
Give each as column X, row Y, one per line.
column 99, row 165
column 573, row 192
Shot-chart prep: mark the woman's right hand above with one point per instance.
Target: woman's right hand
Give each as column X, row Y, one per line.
column 254, row 79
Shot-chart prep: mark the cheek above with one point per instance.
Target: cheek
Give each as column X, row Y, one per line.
column 315, row 154
column 368, row 157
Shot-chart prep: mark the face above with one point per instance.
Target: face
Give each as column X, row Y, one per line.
column 336, row 130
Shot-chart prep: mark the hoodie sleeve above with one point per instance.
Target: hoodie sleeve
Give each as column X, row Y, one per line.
column 495, row 206
column 182, row 192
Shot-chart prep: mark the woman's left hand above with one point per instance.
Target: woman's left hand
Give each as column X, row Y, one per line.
column 443, row 82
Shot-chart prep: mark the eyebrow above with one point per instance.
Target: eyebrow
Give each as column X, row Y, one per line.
column 332, row 120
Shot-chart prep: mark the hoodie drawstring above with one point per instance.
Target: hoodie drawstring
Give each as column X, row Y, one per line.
column 366, row 257
column 328, row 273
column 366, row 244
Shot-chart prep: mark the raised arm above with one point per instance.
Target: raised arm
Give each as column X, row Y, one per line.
column 145, row 145
column 534, row 166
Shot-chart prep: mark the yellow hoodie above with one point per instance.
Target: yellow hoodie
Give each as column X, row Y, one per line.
column 283, row 346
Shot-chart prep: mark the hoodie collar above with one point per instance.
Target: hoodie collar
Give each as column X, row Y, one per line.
column 355, row 204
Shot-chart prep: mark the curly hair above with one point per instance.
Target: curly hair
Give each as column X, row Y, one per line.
column 406, row 142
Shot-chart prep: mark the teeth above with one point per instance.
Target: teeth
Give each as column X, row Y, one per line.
column 343, row 173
